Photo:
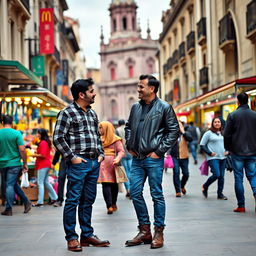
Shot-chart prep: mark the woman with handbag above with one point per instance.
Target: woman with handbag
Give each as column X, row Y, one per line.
column 212, row 143
column 180, row 156
column 114, row 152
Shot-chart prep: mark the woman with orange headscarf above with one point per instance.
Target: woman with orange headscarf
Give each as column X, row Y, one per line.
column 114, row 152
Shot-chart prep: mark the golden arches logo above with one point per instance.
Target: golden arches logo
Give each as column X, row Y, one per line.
column 46, row 16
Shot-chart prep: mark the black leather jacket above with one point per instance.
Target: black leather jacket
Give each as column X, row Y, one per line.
column 160, row 130
column 240, row 132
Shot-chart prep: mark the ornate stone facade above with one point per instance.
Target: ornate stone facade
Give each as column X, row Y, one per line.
column 123, row 60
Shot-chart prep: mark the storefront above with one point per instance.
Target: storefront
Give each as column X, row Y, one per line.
column 23, row 97
column 218, row 102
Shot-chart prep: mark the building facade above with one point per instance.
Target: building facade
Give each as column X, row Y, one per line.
column 123, row 60
column 206, row 46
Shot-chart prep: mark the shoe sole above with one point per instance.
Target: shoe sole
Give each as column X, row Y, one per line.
column 135, row 244
column 75, row 249
column 98, row 245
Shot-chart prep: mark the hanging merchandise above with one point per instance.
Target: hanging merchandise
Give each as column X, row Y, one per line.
column 15, row 112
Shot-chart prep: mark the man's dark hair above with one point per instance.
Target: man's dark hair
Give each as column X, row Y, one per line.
column 7, row 119
column 152, row 81
column 80, row 85
column 242, row 98
column 121, row 122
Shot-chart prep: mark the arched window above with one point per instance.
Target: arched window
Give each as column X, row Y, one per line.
column 133, row 23
column 114, row 110
column 124, row 23
column 114, row 25
column 112, row 70
column 131, row 71
column 151, row 65
column 113, row 73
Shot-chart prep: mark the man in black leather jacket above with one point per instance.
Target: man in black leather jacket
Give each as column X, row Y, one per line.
column 151, row 130
column 240, row 140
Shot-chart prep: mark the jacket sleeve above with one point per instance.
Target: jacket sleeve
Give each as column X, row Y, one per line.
column 228, row 133
column 171, row 133
column 128, row 130
column 188, row 137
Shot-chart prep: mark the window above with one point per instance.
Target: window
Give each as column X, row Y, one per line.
column 114, row 25
column 202, row 8
column 133, row 23
column 131, row 71
column 124, row 23
column 113, row 74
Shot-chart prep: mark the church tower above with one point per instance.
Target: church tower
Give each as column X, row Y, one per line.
column 123, row 59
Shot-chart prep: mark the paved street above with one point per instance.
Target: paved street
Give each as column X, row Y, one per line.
column 194, row 225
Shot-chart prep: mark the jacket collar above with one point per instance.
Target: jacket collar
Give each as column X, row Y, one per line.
column 244, row 106
column 142, row 102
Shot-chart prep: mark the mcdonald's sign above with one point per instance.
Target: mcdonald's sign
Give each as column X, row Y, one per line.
column 46, row 24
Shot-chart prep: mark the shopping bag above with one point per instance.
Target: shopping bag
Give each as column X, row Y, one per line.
column 229, row 165
column 24, row 180
column 168, row 162
column 204, row 168
column 121, row 176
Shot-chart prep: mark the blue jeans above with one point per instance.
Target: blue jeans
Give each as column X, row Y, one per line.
column 218, row 167
column 183, row 165
column 241, row 163
column 81, row 192
column 193, row 149
column 42, row 180
column 127, row 163
column 153, row 170
column 12, row 187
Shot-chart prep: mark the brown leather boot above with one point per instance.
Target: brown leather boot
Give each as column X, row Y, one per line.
column 144, row 236
column 158, row 239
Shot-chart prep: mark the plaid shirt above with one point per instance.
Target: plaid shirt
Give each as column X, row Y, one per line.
column 76, row 132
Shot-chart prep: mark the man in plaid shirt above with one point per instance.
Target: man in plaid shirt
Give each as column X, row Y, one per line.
column 77, row 138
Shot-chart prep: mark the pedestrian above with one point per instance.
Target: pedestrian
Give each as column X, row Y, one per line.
column 77, row 138
column 43, row 166
column 114, row 152
column 195, row 132
column 12, row 150
column 212, row 143
column 127, row 159
column 240, row 140
column 151, row 130
column 61, row 177
column 180, row 156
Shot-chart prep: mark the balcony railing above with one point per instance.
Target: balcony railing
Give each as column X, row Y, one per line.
column 191, row 42
column 201, row 31
column 203, row 76
column 182, row 52
column 226, row 32
column 175, row 57
column 251, row 21
column 170, row 63
column 26, row 4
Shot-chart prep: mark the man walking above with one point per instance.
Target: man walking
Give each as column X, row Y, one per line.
column 195, row 133
column 240, row 140
column 77, row 138
column 12, row 150
column 151, row 130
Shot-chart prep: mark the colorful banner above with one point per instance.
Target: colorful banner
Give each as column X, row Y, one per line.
column 46, row 23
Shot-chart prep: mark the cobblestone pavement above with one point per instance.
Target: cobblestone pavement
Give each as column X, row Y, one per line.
column 194, row 226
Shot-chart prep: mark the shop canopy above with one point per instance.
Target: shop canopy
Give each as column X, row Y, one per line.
column 14, row 73
column 39, row 96
column 222, row 93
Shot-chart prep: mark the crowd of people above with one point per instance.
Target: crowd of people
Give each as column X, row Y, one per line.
column 90, row 151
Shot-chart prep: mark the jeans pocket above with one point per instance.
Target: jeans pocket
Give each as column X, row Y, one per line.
column 14, row 170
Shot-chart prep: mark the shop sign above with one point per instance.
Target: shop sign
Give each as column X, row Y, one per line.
column 65, row 72
column 38, row 66
column 59, row 77
column 46, row 25
column 65, row 89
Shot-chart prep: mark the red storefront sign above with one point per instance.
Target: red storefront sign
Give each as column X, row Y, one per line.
column 46, row 22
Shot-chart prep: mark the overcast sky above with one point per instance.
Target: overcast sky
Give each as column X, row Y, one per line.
column 94, row 13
